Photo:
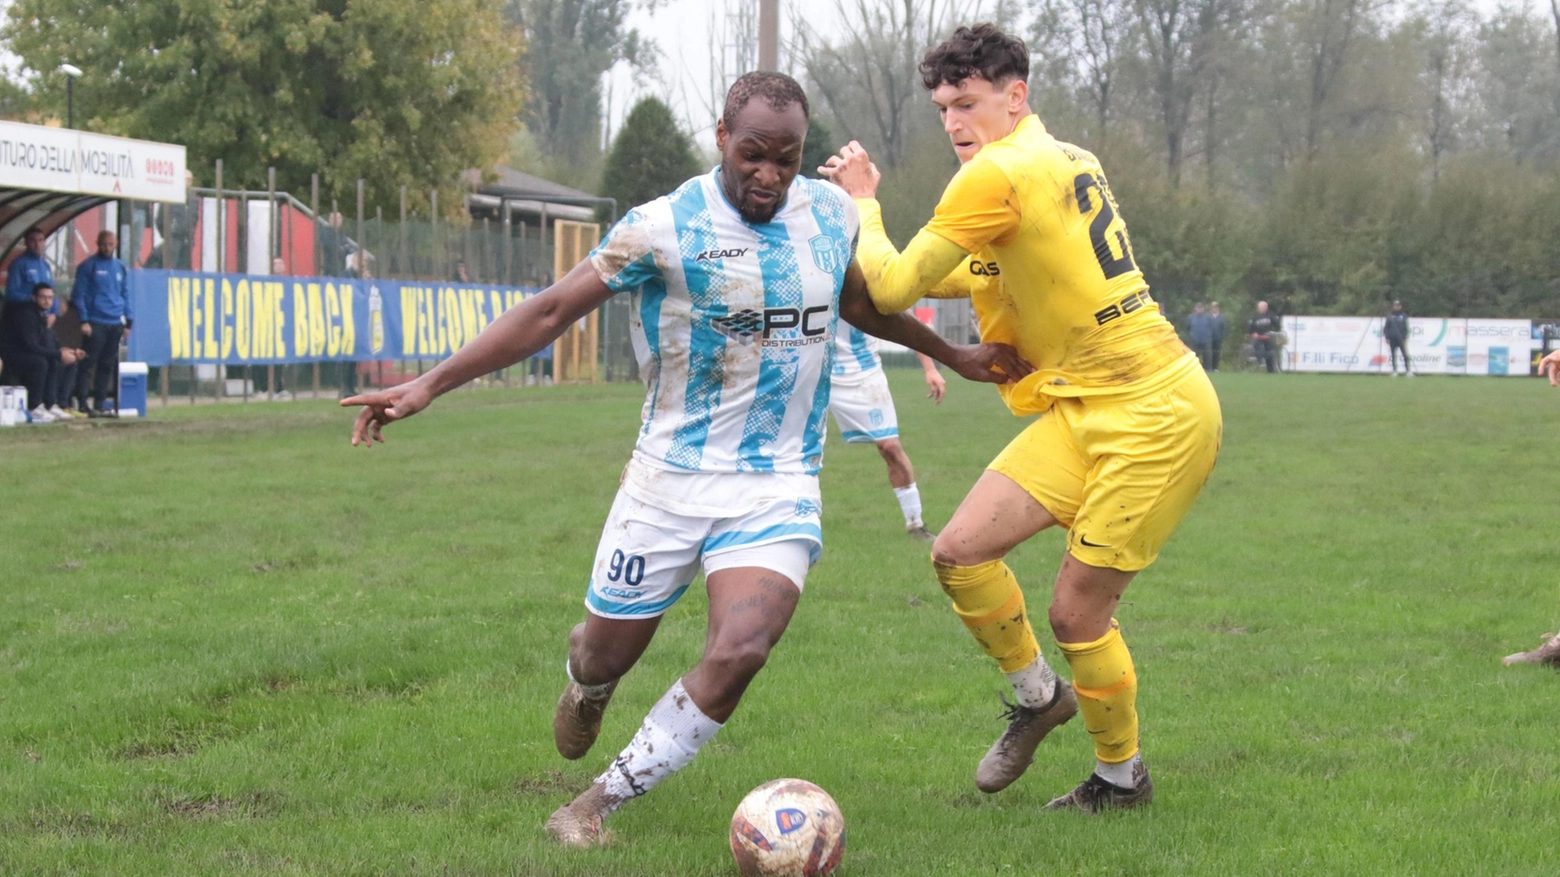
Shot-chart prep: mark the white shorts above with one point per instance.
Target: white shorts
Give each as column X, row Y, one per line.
column 863, row 408
column 648, row 556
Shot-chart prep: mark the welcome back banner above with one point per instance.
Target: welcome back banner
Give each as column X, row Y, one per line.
column 184, row 317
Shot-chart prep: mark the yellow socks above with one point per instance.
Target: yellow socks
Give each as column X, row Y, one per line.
column 1106, row 685
column 990, row 604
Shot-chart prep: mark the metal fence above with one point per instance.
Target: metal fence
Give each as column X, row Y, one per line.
column 279, row 233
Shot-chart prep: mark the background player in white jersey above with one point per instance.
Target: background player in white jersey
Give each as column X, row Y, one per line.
column 863, row 409
column 736, row 282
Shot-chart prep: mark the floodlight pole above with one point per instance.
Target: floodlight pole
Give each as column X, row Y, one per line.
column 71, row 71
column 769, row 35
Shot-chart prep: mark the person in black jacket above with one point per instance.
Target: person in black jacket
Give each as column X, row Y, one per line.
column 31, row 353
column 1262, row 327
column 1394, row 330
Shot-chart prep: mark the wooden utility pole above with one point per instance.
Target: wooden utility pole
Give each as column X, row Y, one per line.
column 769, row 34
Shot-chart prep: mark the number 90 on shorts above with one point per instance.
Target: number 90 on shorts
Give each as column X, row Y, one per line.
column 648, row 556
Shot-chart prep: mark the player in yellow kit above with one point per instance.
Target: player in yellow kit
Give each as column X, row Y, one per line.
column 1129, row 425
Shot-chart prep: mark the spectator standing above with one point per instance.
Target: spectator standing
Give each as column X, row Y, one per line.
column 333, row 247
column 1199, row 327
column 1262, row 327
column 102, row 297
column 28, row 270
column 32, row 354
column 1216, row 321
column 1395, row 331
column 178, row 249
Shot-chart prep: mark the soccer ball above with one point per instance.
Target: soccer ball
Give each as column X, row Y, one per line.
column 787, row 828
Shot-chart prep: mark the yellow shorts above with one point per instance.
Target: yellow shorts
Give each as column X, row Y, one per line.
column 1120, row 474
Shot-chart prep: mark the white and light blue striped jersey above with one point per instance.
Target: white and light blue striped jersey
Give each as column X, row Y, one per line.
column 855, row 353
column 733, row 323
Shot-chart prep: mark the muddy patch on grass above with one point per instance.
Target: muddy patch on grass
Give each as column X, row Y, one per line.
column 251, row 805
column 64, row 823
column 545, row 783
column 176, row 740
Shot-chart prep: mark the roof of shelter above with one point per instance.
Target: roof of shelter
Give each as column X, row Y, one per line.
column 509, row 182
column 53, row 175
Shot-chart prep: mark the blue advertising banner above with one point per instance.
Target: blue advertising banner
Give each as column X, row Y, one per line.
column 185, row 317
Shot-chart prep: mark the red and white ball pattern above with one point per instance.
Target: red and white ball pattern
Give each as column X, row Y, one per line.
column 787, row 828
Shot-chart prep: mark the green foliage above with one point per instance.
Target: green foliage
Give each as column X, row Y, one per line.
column 15, row 101
column 650, row 157
column 569, row 45
column 1328, row 157
column 819, row 145
column 259, row 652
column 397, row 92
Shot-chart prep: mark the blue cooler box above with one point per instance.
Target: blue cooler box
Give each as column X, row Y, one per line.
column 132, row 389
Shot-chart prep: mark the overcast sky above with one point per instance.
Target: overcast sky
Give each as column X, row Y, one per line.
column 681, row 32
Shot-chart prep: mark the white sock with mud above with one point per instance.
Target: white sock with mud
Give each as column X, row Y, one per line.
column 909, row 503
column 593, row 692
column 671, row 736
column 1118, row 775
column 1035, row 685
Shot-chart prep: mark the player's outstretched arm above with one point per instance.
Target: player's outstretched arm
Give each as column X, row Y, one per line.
column 935, row 385
column 518, row 333
column 1550, row 365
column 929, row 265
column 987, row 363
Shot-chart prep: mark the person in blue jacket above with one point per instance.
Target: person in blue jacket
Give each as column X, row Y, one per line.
column 102, row 297
column 28, row 270
column 1200, row 327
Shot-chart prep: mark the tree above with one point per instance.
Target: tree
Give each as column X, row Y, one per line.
column 569, row 45
column 650, row 157
column 819, row 145
column 869, row 77
column 396, row 92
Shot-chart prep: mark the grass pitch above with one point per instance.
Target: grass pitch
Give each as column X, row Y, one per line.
column 230, row 644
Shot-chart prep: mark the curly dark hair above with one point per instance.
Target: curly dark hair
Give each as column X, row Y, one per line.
column 777, row 89
column 983, row 50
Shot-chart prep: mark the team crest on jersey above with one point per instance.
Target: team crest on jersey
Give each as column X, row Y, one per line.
column 789, row 820
column 806, row 508
column 826, row 253
column 876, row 416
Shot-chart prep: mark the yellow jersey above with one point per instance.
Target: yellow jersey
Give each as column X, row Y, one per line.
column 1029, row 231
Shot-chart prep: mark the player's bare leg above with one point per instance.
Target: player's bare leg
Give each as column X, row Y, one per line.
column 1105, row 682
column 601, row 651
column 750, row 608
column 994, row 518
column 901, row 477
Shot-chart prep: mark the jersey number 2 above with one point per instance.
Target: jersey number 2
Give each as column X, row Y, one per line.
column 1099, row 229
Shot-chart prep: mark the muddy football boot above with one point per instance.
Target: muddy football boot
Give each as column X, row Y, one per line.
column 1010, row 756
column 578, row 823
column 1095, row 793
column 920, row 533
column 1548, row 652
column 577, row 720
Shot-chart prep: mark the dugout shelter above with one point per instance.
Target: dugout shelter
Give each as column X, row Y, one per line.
column 49, row 176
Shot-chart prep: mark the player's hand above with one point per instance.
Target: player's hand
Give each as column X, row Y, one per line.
column 385, row 406
column 936, row 386
column 853, row 171
column 989, row 363
column 1550, row 366
column 86, row 330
